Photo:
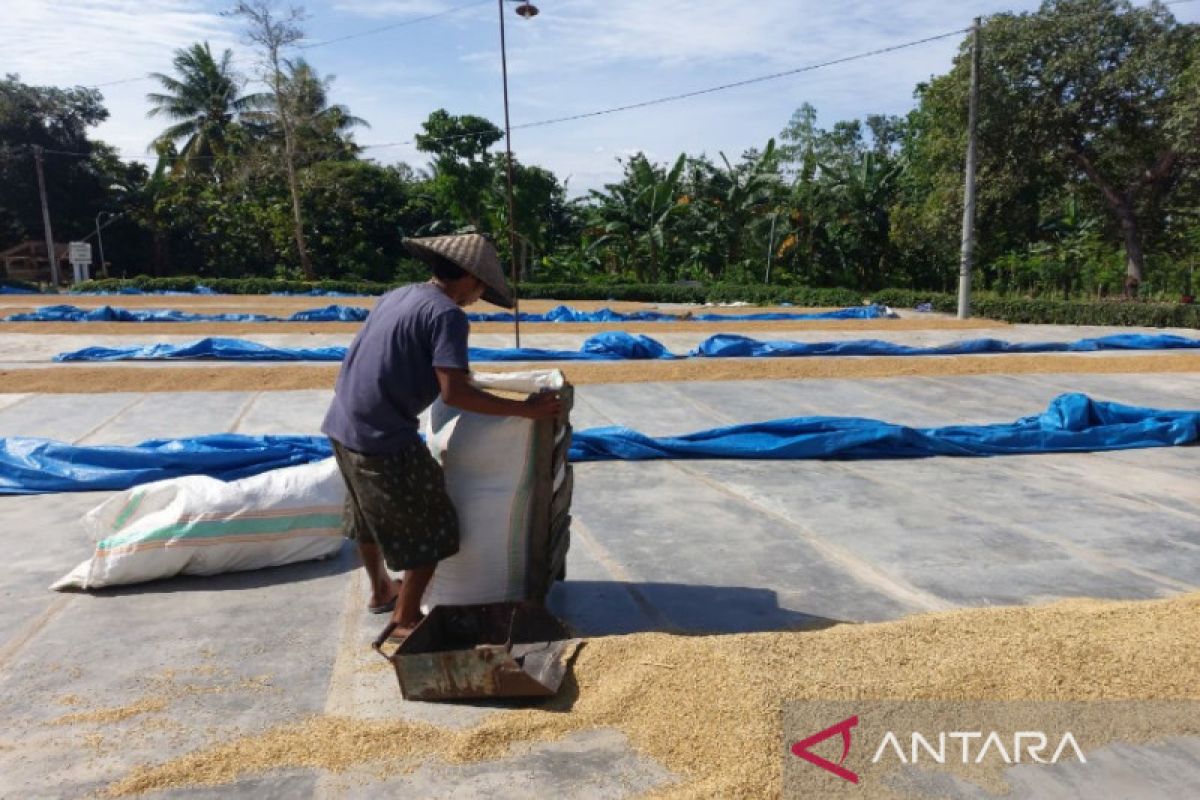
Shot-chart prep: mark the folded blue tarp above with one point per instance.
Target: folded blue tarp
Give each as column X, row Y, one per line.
column 334, row 313
column 135, row 290
column 729, row 346
column 111, row 314
column 611, row 346
column 1071, row 423
column 340, row 313
column 209, row 349
column 33, row 466
column 619, row 346
column 66, row 313
column 17, row 290
column 568, row 314
column 318, row 293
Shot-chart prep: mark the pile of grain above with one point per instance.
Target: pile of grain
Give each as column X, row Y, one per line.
column 201, row 377
column 708, row 707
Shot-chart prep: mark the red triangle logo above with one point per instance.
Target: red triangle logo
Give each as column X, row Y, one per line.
column 801, row 749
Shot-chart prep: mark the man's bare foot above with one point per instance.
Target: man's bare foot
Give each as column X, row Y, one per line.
column 400, row 633
column 404, row 628
column 385, row 604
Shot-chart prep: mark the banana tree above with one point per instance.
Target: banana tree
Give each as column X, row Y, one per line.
column 635, row 215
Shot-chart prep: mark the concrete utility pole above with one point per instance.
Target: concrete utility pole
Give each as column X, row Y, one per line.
column 968, row 234
column 37, row 159
column 508, row 174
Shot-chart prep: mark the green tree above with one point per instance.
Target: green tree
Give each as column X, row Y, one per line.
column 1086, row 91
column 83, row 176
column 203, row 103
column 463, row 169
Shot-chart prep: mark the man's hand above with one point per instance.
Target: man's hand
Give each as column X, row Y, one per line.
column 542, row 405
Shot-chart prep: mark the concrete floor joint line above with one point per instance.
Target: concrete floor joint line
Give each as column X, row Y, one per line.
column 139, row 399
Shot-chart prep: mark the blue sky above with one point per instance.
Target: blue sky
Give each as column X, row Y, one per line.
column 576, row 56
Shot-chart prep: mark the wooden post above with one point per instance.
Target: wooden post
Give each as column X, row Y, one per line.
column 37, row 159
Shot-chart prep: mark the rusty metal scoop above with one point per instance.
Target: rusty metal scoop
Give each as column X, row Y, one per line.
column 478, row 651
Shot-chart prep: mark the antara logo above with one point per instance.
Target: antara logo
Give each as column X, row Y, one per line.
column 1030, row 744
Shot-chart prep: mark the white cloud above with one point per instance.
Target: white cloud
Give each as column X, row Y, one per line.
column 56, row 41
column 391, row 8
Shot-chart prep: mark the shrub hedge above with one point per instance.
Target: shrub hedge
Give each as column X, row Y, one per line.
column 1006, row 309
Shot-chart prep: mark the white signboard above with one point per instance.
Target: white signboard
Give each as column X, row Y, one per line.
column 80, row 253
column 80, row 256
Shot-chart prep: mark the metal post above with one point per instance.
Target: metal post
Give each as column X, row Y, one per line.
column 100, row 242
column 512, row 218
column 968, row 232
column 771, row 246
column 37, row 159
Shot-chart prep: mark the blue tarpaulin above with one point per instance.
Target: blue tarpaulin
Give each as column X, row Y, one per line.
column 67, row 313
column 619, row 346
column 730, row 346
column 209, row 349
column 611, row 346
column 1071, row 423
column 34, row 466
column 135, row 290
column 724, row 345
column 334, row 313
column 568, row 314
column 17, row 290
column 340, row 313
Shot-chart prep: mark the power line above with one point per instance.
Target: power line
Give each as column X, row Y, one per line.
column 393, row 26
column 747, row 82
column 708, row 90
column 346, row 38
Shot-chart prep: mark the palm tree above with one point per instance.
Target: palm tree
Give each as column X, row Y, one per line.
column 322, row 129
column 203, row 104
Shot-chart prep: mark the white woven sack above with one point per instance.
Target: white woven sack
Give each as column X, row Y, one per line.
column 488, row 462
column 197, row 525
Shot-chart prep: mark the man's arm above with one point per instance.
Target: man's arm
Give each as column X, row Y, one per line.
column 457, row 391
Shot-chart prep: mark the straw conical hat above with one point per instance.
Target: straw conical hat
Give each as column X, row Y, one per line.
column 475, row 254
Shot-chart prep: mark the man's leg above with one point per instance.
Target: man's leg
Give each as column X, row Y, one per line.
column 355, row 528
column 408, row 608
column 384, row 588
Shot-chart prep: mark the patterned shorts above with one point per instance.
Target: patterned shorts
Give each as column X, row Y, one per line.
column 399, row 502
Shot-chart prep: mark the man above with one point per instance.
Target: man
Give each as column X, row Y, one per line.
column 413, row 348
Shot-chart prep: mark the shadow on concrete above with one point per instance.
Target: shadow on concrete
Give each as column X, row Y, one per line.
column 345, row 560
column 607, row 608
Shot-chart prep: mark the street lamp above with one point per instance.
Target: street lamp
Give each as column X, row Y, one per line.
column 100, row 239
column 526, row 11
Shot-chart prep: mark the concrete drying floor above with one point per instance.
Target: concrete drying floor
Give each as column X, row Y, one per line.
column 676, row 546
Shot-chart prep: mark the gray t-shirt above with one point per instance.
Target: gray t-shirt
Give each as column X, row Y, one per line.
column 388, row 376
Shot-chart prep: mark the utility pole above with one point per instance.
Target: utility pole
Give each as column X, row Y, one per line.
column 968, row 235
column 508, row 167
column 37, row 159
